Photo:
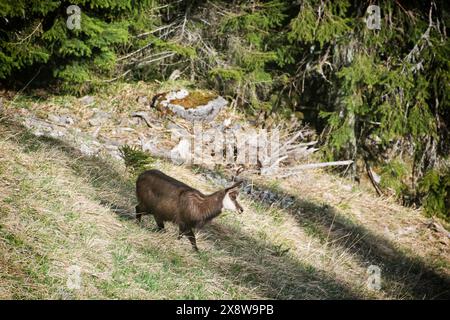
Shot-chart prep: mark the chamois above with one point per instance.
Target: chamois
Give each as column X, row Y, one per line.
column 171, row 200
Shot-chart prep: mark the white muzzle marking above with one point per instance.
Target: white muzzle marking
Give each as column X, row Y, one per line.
column 228, row 204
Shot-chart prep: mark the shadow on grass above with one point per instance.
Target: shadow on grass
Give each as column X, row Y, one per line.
column 272, row 273
column 256, row 265
column 409, row 276
column 115, row 192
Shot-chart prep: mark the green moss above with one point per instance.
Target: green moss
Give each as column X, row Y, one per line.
column 195, row 98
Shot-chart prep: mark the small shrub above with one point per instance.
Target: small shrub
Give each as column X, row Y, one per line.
column 135, row 159
column 436, row 189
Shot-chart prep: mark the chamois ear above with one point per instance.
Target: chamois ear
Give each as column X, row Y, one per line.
column 234, row 186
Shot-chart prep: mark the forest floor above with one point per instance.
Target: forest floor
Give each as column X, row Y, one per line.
column 62, row 209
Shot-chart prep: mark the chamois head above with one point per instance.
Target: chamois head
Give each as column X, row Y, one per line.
column 230, row 199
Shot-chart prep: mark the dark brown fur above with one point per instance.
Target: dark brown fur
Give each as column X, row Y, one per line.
column 171, row 200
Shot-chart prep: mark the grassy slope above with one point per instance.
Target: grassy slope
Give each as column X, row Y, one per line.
column 58, row 209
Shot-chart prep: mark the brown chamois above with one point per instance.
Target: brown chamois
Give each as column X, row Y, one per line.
column 171, row 200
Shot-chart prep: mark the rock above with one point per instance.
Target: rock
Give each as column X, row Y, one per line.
column 247, row 189
column 227, row 123
column 87, row 100
column 144, row 116
column 177, row 131
column 142, row 100
column 111, row 143
column 43, row 128
column 95, row 122
column 347, row 187
column 150, row 145
column 191, row 111
column 217, row 179
column 202, row 113
column 56, row 134
column 61, row 120
column 406, row 231
column 68, row 120
column 115, row 154
column 96, row 132
column 112, row 148
column 176, row 95
column 175, row 75
column 88, row 150
column 134, row 121
column 99, row 118
column 287, row 202
column 182, row 152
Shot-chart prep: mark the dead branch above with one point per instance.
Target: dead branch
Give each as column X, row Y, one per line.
column 143, row 116
column 146, row 63
column 373, row 180
column 154, row 31
column 299, row 168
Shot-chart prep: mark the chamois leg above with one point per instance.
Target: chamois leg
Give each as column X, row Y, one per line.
column 183, row 230
column 140, row 211
column 160, row 224
column 191, row 236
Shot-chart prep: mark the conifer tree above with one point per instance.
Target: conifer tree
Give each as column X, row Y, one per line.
column 38, row 37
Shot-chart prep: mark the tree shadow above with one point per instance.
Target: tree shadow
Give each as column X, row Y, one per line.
column 122, row 212
column 411, row 276
column 115, row 192
column 263, row 267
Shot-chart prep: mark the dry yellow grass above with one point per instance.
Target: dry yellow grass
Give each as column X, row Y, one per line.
column 59, row 209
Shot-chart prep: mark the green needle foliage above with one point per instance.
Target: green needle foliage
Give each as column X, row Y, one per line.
column 35, row 38
column 135, row 159
column 379, row 97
